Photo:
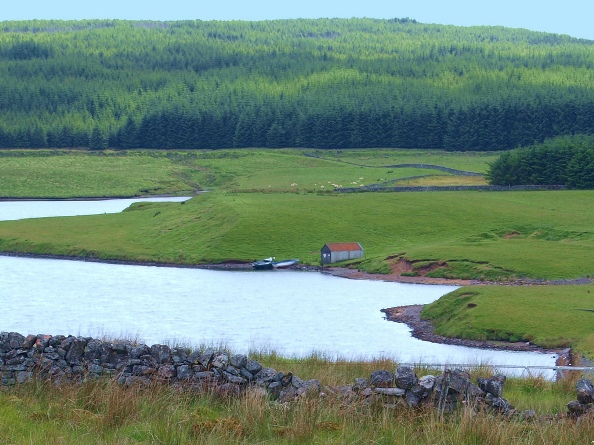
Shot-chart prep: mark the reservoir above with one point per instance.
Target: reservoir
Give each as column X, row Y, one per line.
column 291, row 312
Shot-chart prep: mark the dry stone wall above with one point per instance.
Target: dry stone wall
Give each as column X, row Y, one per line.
column 450, row 188
column 66, row 359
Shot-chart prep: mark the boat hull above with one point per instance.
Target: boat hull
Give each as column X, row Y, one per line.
column 264, row 264
column 284, row 264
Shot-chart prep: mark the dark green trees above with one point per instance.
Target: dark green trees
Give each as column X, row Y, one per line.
column 327, row 83
column 567, row 160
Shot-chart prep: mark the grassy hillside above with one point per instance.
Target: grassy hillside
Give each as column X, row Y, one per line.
column 326, row 83
column 552, row 316
column 491, row 235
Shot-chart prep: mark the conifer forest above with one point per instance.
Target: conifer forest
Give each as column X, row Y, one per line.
column 324, row 83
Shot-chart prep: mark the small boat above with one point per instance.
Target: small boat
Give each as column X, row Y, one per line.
column 270, row 263
column 266, row 263
column 284, row 264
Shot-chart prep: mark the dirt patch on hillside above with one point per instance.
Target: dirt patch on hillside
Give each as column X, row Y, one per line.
column 394, row 277
column 401, row 271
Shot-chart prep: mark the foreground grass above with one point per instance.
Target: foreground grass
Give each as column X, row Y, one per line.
column 103, row 412
column 551, row 316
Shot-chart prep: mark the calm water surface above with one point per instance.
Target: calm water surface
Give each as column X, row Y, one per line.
column 294, row 313
column 11, row 210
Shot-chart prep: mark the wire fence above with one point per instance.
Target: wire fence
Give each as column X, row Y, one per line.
column 527, row 370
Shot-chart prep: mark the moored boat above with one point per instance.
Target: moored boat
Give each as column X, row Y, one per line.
column 266, row 263
column 270, row 263
column 284, row 264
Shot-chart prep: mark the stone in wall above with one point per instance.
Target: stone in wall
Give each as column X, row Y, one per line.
column 585, row 398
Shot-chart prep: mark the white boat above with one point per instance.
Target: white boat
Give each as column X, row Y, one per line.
column 269, row 263
column 284, row 264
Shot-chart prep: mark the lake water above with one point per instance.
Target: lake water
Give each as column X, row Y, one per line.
column 12, row 210
column 294, row 313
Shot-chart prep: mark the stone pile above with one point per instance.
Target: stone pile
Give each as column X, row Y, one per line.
column 585, row 399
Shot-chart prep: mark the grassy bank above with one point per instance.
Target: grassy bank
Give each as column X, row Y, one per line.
column 550, row 316
column 103, row 412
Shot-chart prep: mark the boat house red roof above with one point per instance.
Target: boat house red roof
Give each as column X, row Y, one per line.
column 341, row 247
column 335, row 252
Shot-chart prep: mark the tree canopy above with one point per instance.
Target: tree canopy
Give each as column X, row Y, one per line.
column 564, row 160
column 327, row 83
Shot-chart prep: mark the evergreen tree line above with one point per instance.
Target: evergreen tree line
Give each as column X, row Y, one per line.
column 327, row 83
column 478, row 128
column 564, row 160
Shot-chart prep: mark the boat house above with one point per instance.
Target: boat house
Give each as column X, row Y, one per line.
column 334, row 252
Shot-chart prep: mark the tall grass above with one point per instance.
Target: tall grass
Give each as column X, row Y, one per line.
column 104, row 412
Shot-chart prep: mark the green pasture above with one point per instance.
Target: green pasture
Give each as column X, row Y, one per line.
column 77, row 173
column 550, row 316
column 294, row 170
column 469, row 161
column 72, row 173
column 510, row 235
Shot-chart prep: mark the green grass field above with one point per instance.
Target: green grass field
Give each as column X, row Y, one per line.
column 291, row 170
column 76, row 173
column 541, row 235
column 552, row 316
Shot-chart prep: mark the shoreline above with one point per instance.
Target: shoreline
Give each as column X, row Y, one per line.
column 424, row 330
column 102, row 198
column 410, row 315
column 355, row 274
